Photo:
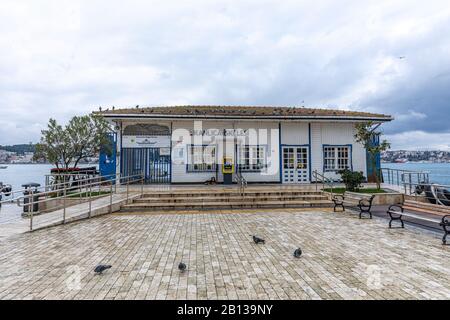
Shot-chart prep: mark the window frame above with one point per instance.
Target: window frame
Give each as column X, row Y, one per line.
column 190, row 164
column 251, row 169
column 336, row 159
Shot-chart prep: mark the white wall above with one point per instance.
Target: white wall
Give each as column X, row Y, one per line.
column 179, row 170
column 334, row 133
column 292, row 133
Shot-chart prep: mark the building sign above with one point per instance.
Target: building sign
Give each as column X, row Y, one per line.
column 146, row 142
column 219, row 132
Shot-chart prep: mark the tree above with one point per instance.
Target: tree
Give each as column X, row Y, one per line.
column 368, row 136
column 81, row 138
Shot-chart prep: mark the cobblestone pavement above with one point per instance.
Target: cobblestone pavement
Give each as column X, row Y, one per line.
column 344, row 258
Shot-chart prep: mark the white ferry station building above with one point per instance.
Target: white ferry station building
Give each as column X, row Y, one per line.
column 195, row 144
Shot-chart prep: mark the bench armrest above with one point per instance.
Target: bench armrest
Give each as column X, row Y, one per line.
column 338, row 198
column 445, row 220
column 397, row 206
column 365, row 202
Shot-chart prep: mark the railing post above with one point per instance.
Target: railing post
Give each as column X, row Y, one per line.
column 128, row 188
column 64, row 201
column 142, row 186
column 90, row 200
column 110, row 196
column 410, row 181
column 31, row 209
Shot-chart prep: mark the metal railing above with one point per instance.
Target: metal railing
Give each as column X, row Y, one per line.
column 430, row 192
column 242, row 183
column 319, row 178
column 90, row 188
column 398, row 177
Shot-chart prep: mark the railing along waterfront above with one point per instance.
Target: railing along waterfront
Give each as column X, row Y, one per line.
column 63, row 192
column 398, row 177
column 428, row 192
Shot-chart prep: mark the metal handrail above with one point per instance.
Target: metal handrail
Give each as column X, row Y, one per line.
column 433, row 192
column 85, row 189
column 44, row 188
column 324, row 180
column 241, row 182
column 398, row 177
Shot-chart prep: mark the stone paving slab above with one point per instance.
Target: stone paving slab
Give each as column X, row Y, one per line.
column 344, row 258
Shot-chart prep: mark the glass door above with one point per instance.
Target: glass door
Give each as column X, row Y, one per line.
column 295, row 165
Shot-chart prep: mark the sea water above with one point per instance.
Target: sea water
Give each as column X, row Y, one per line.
column 439, row 172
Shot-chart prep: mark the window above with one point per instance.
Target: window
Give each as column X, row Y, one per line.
column 336, row 158
column 252, row 158
column 201, row 158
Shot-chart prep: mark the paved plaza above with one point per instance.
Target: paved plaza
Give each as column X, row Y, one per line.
column 343, row 258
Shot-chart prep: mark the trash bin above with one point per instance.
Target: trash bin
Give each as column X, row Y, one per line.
column 30, row 188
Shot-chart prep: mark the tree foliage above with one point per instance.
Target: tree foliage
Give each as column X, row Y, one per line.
column 367, row 134
column 81, row 138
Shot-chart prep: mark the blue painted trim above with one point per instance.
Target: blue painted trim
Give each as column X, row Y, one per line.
column 187, row 158
column 121, row 148
column 279, row 153
column 170, row 165
column 337, row 146
column 310, row 152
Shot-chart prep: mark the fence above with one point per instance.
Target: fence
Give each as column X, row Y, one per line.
column 86, row 190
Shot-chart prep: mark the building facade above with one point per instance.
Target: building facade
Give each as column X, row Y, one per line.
column 194, row 144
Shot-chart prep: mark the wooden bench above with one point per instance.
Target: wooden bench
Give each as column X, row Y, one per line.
column 439, row 214
column 362, row 202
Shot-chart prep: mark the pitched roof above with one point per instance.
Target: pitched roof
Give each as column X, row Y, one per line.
column 243, row 112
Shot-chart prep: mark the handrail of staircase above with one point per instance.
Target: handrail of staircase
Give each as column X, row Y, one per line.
column 241, row 182
column 324, row 180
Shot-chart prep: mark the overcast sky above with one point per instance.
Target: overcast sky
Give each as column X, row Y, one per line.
column 60, row 58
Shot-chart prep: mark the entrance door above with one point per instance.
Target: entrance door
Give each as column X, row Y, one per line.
column 295, row 165
column 153, row 162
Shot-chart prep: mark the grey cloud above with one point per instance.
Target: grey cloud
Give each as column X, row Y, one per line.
column 70, row 57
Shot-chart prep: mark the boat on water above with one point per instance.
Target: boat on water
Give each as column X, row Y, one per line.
column 3, row 167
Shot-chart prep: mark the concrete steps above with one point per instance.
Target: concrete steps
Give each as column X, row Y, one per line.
column 227, row 199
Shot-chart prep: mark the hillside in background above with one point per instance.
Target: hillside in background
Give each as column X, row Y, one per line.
column 416, row 156
column 20, row 149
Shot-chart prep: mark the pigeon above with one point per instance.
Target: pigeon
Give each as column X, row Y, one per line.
column 258, row 240
column 182, row 267
column 100, row 268
column 298, row 253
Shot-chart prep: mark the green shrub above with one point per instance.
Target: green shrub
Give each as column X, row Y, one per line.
column 352, row 179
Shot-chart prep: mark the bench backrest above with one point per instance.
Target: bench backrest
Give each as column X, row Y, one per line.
column 358, row 196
